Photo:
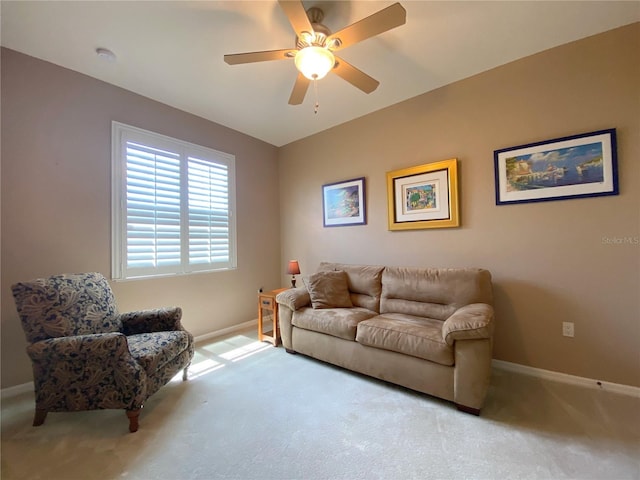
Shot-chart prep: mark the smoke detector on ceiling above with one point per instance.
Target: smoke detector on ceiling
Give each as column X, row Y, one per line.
column 106, row 54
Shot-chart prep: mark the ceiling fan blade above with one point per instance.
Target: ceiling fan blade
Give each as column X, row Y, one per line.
column 299, row 90
column 386, row 19
column 250, row 57
column 295, row 12
column 355, row 77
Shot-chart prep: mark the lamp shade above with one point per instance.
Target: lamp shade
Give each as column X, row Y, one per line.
column 293, row 267
column 314, row 62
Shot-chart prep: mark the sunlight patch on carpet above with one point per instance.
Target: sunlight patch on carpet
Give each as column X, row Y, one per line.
column 246, row 351
column 208, row 359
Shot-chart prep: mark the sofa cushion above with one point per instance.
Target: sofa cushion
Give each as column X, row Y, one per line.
column 154, row 350
column 364, row 281
column 328, row 289
column 433, row 292
column 337, row 322
column 416, row 336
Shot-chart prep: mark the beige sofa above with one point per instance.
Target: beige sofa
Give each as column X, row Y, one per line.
column 430, row 330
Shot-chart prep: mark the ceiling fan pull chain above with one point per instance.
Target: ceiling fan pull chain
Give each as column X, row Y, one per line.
column 315, row 88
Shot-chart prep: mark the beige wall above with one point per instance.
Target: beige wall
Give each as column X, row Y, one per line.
column 56, row 199
column 548, row 260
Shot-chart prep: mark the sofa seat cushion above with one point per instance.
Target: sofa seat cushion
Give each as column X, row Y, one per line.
column 153, row 350
column 337, row 322
column 416, row 336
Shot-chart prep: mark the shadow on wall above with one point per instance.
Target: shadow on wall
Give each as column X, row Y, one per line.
column 16, row 369
column 508, row 334
column 528, row 327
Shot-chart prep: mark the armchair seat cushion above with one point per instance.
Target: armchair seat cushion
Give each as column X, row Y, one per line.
column 416, row 336
column 154, row 350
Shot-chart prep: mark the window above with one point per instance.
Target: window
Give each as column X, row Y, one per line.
column 173, row 206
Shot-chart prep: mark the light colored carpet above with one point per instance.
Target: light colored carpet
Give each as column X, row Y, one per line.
column 251, row 411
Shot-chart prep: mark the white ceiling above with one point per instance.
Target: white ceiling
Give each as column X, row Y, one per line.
column 173, row 52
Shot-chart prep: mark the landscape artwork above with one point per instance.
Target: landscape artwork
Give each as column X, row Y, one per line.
column 419, row 198
column 582, row 165
column 343, row 203
column 555, row 168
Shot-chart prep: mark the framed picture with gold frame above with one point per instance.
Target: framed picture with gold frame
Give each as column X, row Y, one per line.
column 424, row 196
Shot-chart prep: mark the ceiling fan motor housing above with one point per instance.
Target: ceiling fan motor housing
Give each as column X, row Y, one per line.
column 320, row 32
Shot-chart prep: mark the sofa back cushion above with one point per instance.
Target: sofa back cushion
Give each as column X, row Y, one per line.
column 364, row 281
column 433, row 292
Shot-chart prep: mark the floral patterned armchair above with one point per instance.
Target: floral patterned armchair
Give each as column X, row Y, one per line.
column 85, row 355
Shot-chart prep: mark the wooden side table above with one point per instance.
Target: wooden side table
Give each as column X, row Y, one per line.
column 267, row 307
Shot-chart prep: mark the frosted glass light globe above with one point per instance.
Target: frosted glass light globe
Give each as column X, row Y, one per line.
column 314, row 62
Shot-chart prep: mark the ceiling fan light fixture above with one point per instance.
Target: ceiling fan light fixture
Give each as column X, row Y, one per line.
column 314, row 46
column 314, row 62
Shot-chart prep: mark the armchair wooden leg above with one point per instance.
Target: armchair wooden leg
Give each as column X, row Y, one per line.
column 39, row 417
column 133, row 419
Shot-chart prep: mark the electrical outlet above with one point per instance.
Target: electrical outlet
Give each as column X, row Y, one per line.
column 567, row 329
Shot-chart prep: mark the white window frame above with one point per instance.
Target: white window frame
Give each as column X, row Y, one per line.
column 121, row 134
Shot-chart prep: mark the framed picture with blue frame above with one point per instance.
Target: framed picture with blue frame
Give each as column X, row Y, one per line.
column 343, row 203
column 577, row 166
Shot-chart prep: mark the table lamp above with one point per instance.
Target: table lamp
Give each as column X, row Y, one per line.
column 293, row 269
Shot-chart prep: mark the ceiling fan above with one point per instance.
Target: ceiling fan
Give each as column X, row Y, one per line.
column 315, row 46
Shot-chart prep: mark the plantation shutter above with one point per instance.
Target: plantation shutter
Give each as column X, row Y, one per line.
column 208, row 213
column 172, row 206
column 153, row 209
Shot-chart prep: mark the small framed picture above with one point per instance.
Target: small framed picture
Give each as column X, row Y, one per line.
column 343, row 203
column 425, row 196
column 582, row 165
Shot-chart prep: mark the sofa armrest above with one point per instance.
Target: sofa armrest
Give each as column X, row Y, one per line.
column 294, row 298
column 148, row 321
column 80, row 348
column 472, row 321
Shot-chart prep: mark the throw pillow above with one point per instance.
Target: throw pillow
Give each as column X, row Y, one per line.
column 328, row 289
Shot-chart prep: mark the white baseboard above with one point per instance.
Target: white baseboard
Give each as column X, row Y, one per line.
column 226, row 331
column 566, row 378
column 9, row 392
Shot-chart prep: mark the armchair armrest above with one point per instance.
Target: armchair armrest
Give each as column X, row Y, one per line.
column 294, row 298
column 105, row 346
column 469, row 322
column 147, row 321
column 84, row 372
